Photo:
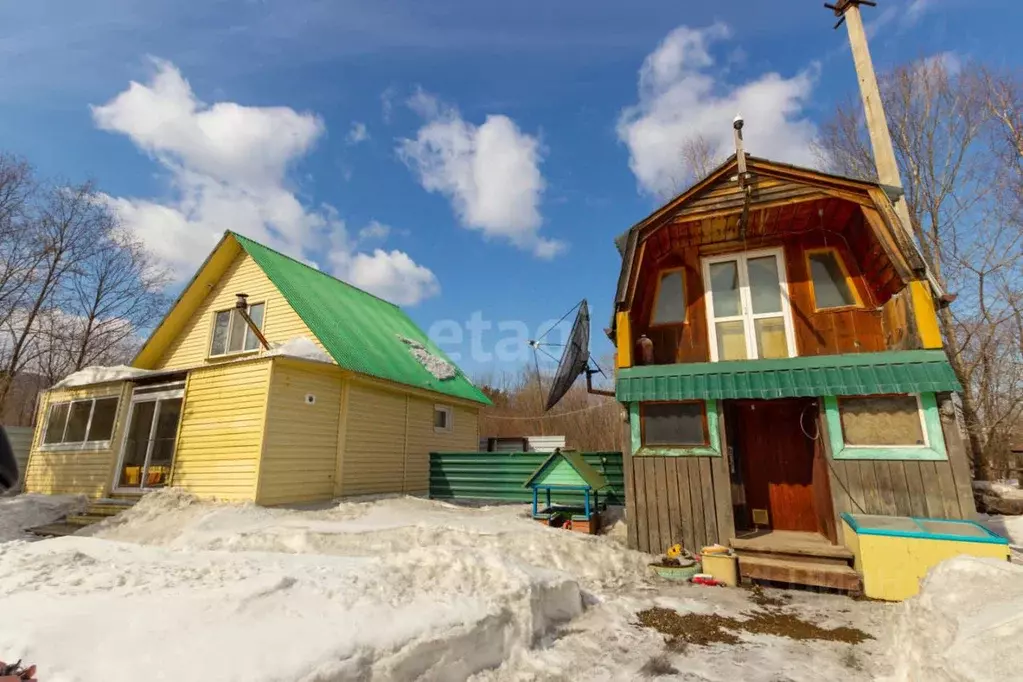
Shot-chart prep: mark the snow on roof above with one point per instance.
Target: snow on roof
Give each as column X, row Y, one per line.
column 434, row 364
column 301, row 347
column 98, row 375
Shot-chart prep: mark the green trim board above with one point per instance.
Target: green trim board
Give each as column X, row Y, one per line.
column 922, row 528
column 566, row 470
column 713, row 435
column 934, row 451
column 916, row 371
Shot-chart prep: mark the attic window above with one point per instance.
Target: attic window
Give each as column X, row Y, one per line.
column 434, row 364
column 832, row 286
column 231, row 334
column 670, row 299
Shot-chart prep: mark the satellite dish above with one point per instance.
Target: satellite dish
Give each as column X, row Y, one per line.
column 575, row 358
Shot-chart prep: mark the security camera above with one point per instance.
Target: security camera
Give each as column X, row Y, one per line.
column 737, row 122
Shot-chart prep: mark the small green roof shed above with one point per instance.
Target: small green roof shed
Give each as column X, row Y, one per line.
column 566, row 471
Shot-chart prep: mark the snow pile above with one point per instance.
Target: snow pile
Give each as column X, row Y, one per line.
column 965, row 624
column 98, row 375
column 434, row 364
column 1009, row 527
column 301, row 347
column 391, row 589
column 1001, row 489
column 29, row 510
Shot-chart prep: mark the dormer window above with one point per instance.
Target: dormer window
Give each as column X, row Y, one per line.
column 670, row 299
column 832, row 285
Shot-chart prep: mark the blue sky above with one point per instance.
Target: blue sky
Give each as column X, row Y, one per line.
column 456, row 157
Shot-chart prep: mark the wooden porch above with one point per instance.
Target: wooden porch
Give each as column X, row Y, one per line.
column 795, row 557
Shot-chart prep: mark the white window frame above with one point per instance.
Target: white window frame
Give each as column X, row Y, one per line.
column 230, row 322
column 82, row 444
column 919, row 413
column 746, row 316
column 149, row 394
column 448, row 420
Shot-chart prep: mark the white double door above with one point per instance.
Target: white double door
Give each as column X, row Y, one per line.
column 748, row 310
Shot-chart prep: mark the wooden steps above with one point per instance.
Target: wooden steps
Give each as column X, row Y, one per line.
column 796, row 558
column 95, row 512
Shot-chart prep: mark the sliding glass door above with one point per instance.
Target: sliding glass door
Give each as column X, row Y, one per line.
column 148, row 449
column 748, row 306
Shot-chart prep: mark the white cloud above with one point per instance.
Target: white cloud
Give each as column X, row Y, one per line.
column 228, row 166
column 917, row 8
column 374, row 231
column 681, row 97
column 490, row 173
column 358, row 133
column 392, row 275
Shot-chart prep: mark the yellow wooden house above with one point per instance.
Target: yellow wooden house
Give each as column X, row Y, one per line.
column 303, row 388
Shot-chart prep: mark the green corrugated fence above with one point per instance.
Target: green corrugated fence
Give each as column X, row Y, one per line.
column 500, row 475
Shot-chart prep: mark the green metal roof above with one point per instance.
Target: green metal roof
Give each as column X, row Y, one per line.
column 916, row 371
column 590, row 476
column 360, row 331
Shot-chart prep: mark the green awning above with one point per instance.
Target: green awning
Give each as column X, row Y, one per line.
column 914, row 371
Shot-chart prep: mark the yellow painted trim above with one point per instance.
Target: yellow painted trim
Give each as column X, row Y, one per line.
column 925, row 314
column 262, row 432
column 624, row 339
column 849, row 282
column 342, row 434
column 657, row 296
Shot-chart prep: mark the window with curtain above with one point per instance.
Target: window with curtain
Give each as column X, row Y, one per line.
column 681, row 424
column 889, row 420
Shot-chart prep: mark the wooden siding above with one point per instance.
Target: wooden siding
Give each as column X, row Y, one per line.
column 902, row 487
column 300, row 446
column 76, row 471
column 190, row 347
column 422, row 439
column 374, row 448
column 221, row 433
column 874, row 326
column 389, row 435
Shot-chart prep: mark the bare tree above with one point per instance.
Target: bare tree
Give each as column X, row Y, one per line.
column 954, row 170
column 697, row 158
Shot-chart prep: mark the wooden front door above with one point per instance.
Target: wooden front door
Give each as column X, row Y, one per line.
column 778, row 463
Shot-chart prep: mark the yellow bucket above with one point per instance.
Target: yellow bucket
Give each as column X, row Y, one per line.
column 722, row 566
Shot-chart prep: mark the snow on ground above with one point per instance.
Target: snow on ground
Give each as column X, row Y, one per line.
column 965, row 625
column 19, row 512
column 1000, row 489
column 398, row 589
column 1009, row 527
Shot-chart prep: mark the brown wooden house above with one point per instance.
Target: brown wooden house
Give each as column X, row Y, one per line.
column 780, row 361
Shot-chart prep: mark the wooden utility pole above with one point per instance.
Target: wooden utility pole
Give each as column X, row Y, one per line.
column 873, row 107
column 848, row 12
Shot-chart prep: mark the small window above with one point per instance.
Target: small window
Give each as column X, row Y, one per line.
column 832, row 286
column 81, row 421
column 55, row 423
column 882, row 421
column 674, row 424
column 670, row 299
column 441, row 418
column 104, row 414
column 232, row 335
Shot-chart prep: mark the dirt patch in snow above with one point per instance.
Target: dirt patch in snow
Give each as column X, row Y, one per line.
column 712, row 628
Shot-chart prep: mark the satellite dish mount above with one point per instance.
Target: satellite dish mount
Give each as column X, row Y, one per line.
column 575, row 358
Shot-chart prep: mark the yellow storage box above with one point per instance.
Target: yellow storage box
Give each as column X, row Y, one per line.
column 894, row 552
